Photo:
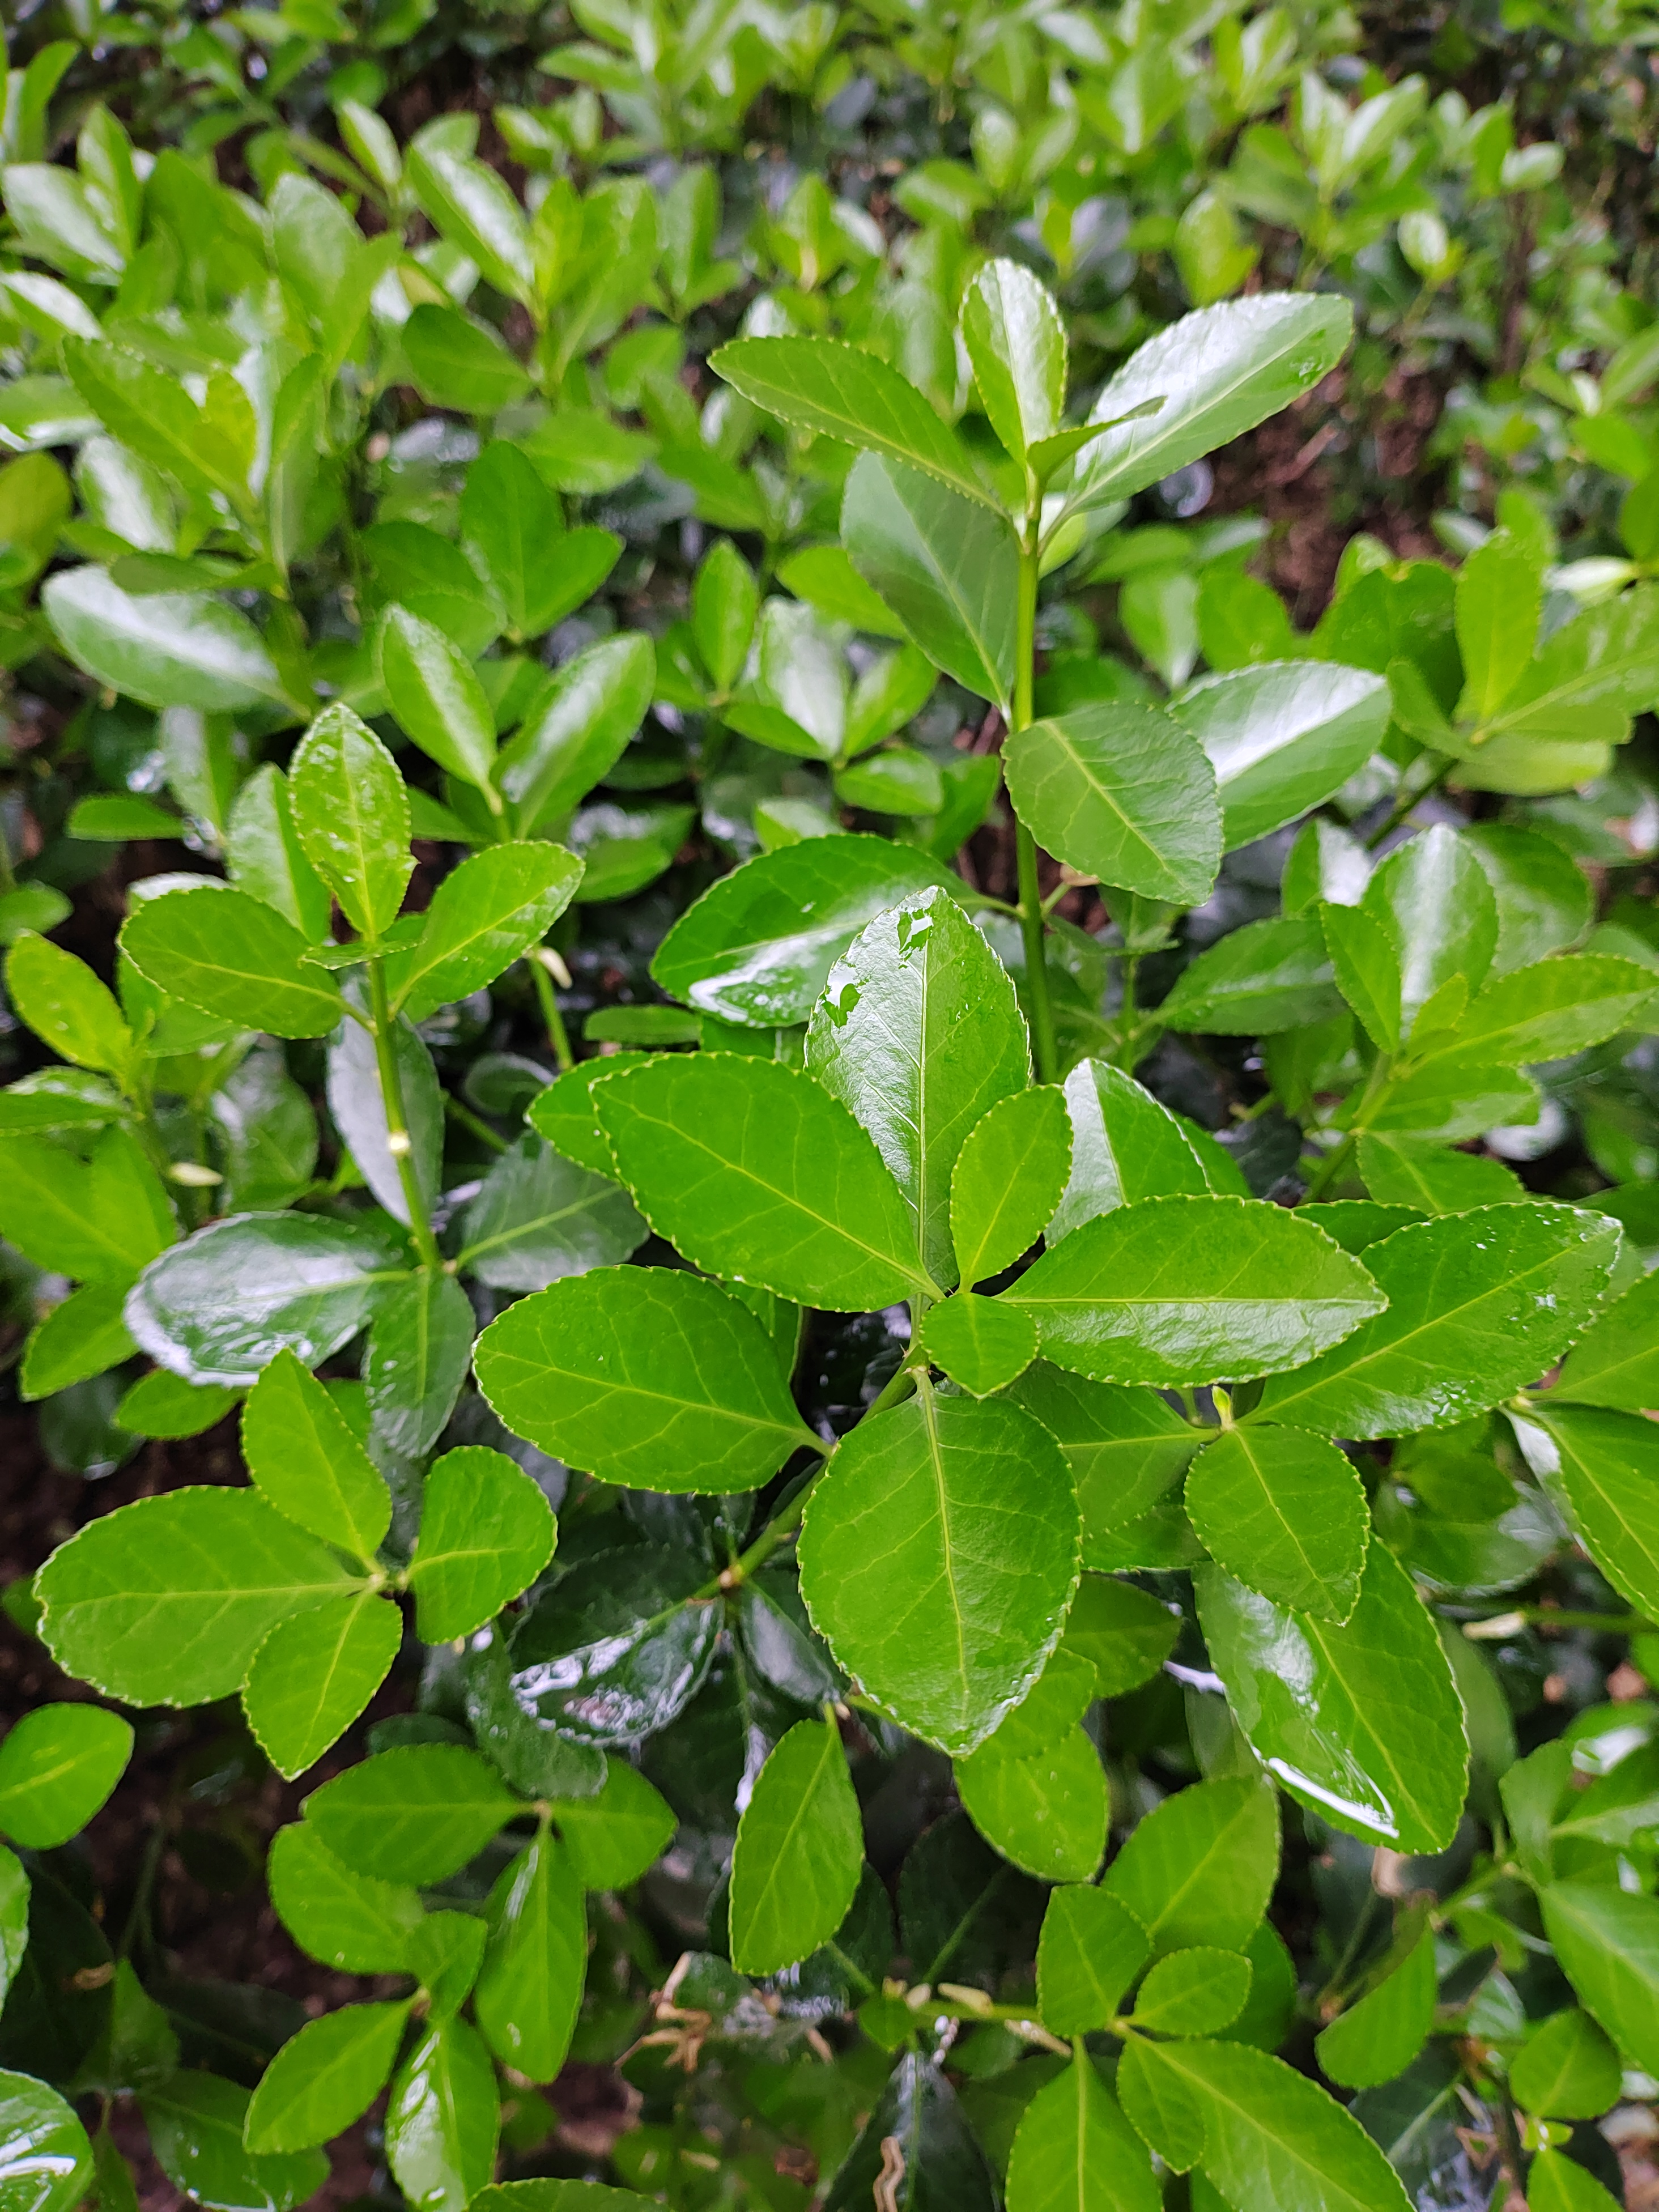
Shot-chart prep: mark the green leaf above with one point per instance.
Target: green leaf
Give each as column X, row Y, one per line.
column 1219, row 372
column 1479, row 1303
column 900, row 779
column 1200, row 1867
column 1283, row 739
column 482, row 917
column 100, row 1219
column 1122, row 794
column 473, row 209
column 823, row 575
column 357, row 1103
column 1007, row 1180
column 839, row 392
column 233, row 955
column 558, row 2196
column 438, row 699
column 420, row 1347
column 1188, row 1289
column 918, row 1033
column 947, row 569
column 1616, row 1363
column 315, row 1674
column 348, row 1921
column 530, row 1986
column 325, row 2077
column 1124, row 1633
column 163, row 649
column 162, row 1405
column 1432, row 896
column 1128, row 1450
column 308, row 1464
column 576, row 728
column 66, row 1005
column 487, row 1531
column 1606, row 1944
column 1090, row 1950
column 57, row 1766
column 753, row 1170
column 981, row 1343
column 616, row 1836
column 1500, row 593
column 1259, row 980
column 648, row 1377
column 1553, row 1008
column 1286, row 1513
column 1017, row 343
column 1602, row 1471
column 940, row 2159
column 1367, row 970
column 937, row 1557
column 1036, row 1788
column 1379, row 2036
column 799, row 1852
column 196, row 2123
column 78, row 1337
column 351, row 811
column 1361, row 1722
column 1075, row 2151
column 1567, row 2069
column 563, row 1113
column 264, row 856
column 725, row 600
column 166, row 1601
column 1415, row 1172
column 219, row 1307
column 1594, row 674
column 1125, row 1147
column 1196, row 1992
column 459, row 362
column 443, row 2117
column 538, row 1218
column 1545, row 902
column 1271, row 2141
column 46, row 2160
column 755, row 949
column 415, row 1815
column 155, row 416
column 1556, row 2184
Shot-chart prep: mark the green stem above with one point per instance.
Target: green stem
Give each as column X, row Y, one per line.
column 396, row 1126
column 552, row 1019
column 1406, row 801
column 1031, row 893
column 1328, row 1170
column 466, row 1119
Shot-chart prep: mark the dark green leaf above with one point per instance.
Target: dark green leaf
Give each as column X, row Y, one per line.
column 438, row 699
column 538, row 1218
column 196, row 2123
column 46, row 2160
column 1378, row 2037
column 420, row 1346
column 576, row 729
column 530, row 1986
column 948, row 568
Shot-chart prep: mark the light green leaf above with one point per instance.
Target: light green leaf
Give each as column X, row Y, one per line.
column 166, row 1601
column 981, row 1343
column 443, row 2117
column 755, row 949
column 1286, row 1513
column 753, row 1170
column 563, row 1113
column 351, row 1922
column 616, row 1836
column 1200, row 1867
column 1553, row 1008
column 1122, row 794
column 1616, row 1363
column 823, row 575
column 307, row 1462
column 1041, row 1803
column 1415, row 1171
column 264, row 856
column 1196, row 1992
column 232, row 956
column 937, row 1557
column 1380, row 2036
column 799, row 1852
column 351, row 811
column 1567, row 2069
column 1556, row 2184
column 458, row 361
column 1367, row 968
column 1191, row 1290
column 1606, row 1944
column 839, row 392
column 46, row 2160
column 1008, row 1178
column 531, row 1985
column 100, row 1219
column 1091, row 1950
column 1432, row 896
column 163, row 649
column 66, row 1005
column 1017, row 343
column 1125, row 1147
column 77, row 1339
column 1545, row 901
column 1282, row 738
column 325, row 2077
column 315, row 1674
column 648, row 1377
column 487, row 1531
column 1595, row 673
column 1362, row 1722
column 482, row 917
column 438, row 699
column 1602, row 1470
column 1499, row 593
column 919, row 1034
column 415, row 1815
column 473, row 209
column 1219, row 372
column 1123, row 1632
column 1074, row 2151
column 1479, row 1303
column 57, row 1766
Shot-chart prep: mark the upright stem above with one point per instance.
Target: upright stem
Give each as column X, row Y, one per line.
column 1031, row 895
column 552, row 1019
column 396, row 1126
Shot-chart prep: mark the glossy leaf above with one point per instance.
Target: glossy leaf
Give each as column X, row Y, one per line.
column 1616, row 1363
column 303, row 1457
column 981, row 1343
column 231, row 956
column 1433, row 896
column 1264, row 978
column 1361, row 1721
column 1128, row 1450
column 315, row 1674
column 46, row 2160
column 1075, row 2151
column 325, row 2078
column 799, row 1852
column 482, row 917
column 1602, row 1470
column 164, row 648
column 1092, row 1947
column 57, row 1766
column 948, row 568
column 438, row 699
column 1200, row 1867
column 1125, row 1147
column 1607, row 1944
column 647, row 1375
column 1286, row 1513
column 576, row 730
column 537, row 1219
column 442, row 2118
column 1044, row 1807
column 1122, row 794
column 196, row 2122
column 530, row 1984
column 66, row 1005
column 937, row 1557
column 351, row 811
column 1479, row 1303
column 420, row 1347
column 1008, row 1176
column 1282, row 738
